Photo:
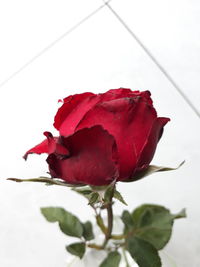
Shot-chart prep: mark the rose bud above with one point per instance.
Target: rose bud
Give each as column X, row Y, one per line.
column 102, row 137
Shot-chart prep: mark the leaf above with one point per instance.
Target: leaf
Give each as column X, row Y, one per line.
column 69, row 224
column 154, row 223
column 77, row 249
column 143, row 252
column 112, row 260
column 138, row 212
column 119, row 197
column 93, row 198
column 152, row 169
column 87, row 231
column 128, row 221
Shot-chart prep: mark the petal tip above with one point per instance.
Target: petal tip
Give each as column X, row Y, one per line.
column 25, row 157
column 164, row 120
column 48, row 135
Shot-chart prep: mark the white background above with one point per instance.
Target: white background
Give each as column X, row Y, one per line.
column 97, row 56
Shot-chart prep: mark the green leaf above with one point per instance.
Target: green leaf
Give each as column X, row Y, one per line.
column 127, row 220
column 119, row 197
column 112, row 260
column 87, row 231
column 69, row 224
column 139, row 211
column 152, row 169
column 77, row 249
column 93, row 198
column 154, row 223
column 143, row 252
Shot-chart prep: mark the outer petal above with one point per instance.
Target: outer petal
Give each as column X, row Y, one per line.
column 124, row 92
column 72, row 110
column 50, row 145
column 92, row 158
column 38, row 149
column 121, row 92
column 129, row 120
column 150, row 145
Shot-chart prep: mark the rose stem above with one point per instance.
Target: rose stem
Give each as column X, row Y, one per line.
column 110, row 218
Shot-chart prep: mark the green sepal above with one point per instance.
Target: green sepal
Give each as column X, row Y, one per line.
column 93, row 198
column 77, row 249
column 84, row 191
column 143, row 252
column 109, row 193
column 46, row 180
column 99, row 188
column 118, row 196
column 112, row 260
column 88, row 231
column 69, row 224
column 152, row 169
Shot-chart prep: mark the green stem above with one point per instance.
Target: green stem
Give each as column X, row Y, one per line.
column 109, row 208
column 106, row 230
column 118, row 237
column 95, row 246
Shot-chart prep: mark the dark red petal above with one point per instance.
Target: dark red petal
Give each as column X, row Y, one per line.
column 92, row 158
column 129, row 120
column 151, row 143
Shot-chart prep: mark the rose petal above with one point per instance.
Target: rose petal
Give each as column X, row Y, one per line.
column 38, row 149
column 151, row 143
column 72, row 110
column 129, row 120
column 76, row 106
column 50, row 145
column 92, row 160
column 121, row 92
column 125, row 92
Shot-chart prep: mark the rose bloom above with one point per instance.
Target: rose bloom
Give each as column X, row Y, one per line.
column 102, row 137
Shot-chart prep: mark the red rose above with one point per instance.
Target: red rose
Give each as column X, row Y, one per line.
column 102, row 137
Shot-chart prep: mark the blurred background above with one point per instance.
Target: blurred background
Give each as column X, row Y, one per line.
column 51, row 49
